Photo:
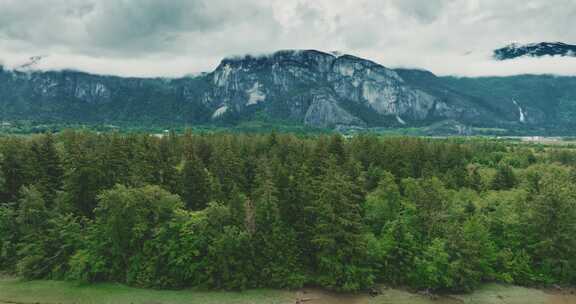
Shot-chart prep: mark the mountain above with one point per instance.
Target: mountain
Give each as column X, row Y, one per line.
column 516, row 50
column 302, row 87
column 326, row 90
column 76, row 97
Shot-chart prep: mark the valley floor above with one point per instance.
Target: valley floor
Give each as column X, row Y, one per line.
column 14, row 291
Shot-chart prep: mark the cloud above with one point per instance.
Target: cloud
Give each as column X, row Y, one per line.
column 179, row 37
column 424, row 11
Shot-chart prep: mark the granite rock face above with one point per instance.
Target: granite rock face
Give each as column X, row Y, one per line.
column 321, row 89
column 324, row 112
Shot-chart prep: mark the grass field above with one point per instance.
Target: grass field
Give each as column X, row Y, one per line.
column 50, row 292
column 13, row 291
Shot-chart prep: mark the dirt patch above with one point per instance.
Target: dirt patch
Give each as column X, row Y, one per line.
column 388, row 296
column 398, row 296
column 316, row 296
column 561, row 296
column 561, row 299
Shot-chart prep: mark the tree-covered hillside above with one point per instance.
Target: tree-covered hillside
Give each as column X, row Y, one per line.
column 280, row 211
column 547, row 100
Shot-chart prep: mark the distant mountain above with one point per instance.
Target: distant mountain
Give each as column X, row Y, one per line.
column 326, row 90
column 516, row 50
column 307, row 87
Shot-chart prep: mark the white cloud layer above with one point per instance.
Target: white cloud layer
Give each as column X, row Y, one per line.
column 180, row 37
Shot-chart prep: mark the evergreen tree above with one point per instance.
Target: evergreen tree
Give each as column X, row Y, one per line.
column 337, row 149
column 383, row 204
column 196, row 184
column 2, row 178
column 550, row 224
column 229, row 262
column 393, row 255
column 241, row 210
column 432, row 267
column 32, row 211
column 32, row 218
column 167, row 161
column 50, row 171
column 115, row 161
column 9, row 237
column 17, row 169
column 227, row 169
column 338, row 236
column 281, row 211
column 430, row 202
column 505, row 178
column 81, row 188
column 126, row 218
column 475, row 179
column 473, row 255
column 275, row 244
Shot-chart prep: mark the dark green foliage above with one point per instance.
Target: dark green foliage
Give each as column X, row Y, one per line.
column 47, row 241
column 9, row 235
column 432, row 268
column 338, row 235
column 127, row 218
column 278, row 257
column 282, row 211
column 505, row 178
column 474, row 255
column 2, row 177
column 49, row 173
column 384, row 204
column 196, row 184
column 229, row 257
column 429, row 200
column 16, row 167
column 393, row 253
column 81, row 189
column 229, row 262
column 551, row 223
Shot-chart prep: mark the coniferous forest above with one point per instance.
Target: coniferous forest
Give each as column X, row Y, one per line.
column 233, row 212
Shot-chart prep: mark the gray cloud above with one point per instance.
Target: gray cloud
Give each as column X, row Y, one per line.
column 425, row 11
column 177, row 37
column 122, row 27
column 145, row 25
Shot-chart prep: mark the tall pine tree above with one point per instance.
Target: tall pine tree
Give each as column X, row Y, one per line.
column 339, row 239
column 50, row 172
column 196, row 184
column 277, row 252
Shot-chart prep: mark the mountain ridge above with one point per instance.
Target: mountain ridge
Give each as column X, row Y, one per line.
column 540, row 49
column 307, row 87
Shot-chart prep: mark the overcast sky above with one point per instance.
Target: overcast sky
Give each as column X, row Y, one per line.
column 179, row 37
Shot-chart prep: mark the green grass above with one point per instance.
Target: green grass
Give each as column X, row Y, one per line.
column 487, row 294
column 14, row 291
column 51, row 292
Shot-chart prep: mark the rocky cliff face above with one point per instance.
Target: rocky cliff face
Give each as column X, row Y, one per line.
column 307, row 87
column 69, row 96
column 322, row 90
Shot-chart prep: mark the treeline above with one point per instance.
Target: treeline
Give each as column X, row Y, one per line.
column 280, row 211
